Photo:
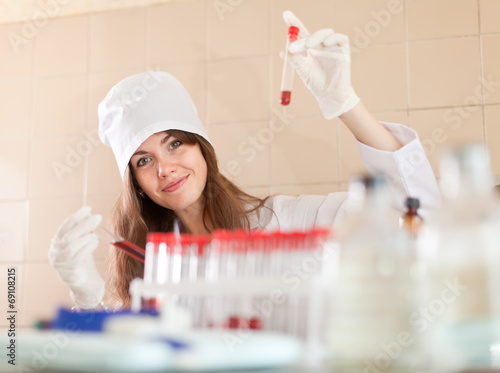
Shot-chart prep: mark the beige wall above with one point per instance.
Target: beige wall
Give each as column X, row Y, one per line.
column 39, row 11
column 431, row 64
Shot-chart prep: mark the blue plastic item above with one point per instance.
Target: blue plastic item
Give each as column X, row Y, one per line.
column 93, row 321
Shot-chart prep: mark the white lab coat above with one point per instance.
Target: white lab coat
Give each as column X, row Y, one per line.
column 407, row 169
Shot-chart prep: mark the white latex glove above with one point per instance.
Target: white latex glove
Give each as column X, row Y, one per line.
column 71, row 255
column 325, row 69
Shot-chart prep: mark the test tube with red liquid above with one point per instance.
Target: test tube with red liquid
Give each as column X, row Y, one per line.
column 287, row 76
column 121, row 243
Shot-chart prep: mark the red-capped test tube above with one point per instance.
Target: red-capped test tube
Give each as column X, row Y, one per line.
column 287, row 76
column 155, row 265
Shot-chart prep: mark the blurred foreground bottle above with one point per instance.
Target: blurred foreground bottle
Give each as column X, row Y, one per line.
column 373, row 296
column 411, row 222
column 461, row 249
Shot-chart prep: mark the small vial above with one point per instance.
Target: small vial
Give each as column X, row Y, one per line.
column 287, row 76
column 411, row 221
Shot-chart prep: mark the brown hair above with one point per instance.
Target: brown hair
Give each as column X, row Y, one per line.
column 226, row 207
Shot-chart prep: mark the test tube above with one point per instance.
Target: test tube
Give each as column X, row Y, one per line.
column 293, row 316
column 224, row 241
column 287, row 75
column 213, row 274
column 197, row 273
column 240, row 305
column 155, row 268
column 121, row 243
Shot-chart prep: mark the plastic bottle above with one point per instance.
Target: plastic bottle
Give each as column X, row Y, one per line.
column 460, row 247
column 369, row 325
column 411, row 222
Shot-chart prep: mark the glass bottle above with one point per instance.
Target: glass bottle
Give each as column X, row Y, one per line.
column 460, row 251
column 411, row 222
column 372, row 296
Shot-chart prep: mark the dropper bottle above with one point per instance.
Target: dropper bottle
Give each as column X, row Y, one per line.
column 411, row 222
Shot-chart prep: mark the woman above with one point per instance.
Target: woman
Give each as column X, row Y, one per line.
column 170, row 169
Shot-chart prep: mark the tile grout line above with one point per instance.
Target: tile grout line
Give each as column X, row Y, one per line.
column 407, row 63
column 481, row 73
column 206, row 64
column 338, row 125
column 270, row 92
column 30, row 153
column 147, row 42
column 86, row 119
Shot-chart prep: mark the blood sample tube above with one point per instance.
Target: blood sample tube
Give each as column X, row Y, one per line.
column 155, row 267
column 197, row 273
column 242, row 305
column 287, row 76
column 253, row 263
column 200, row 250
column 215, row 271
column 293, row 316
column 174, row 251
column 121, row 243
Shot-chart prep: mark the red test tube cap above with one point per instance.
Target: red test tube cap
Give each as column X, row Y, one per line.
column 293, row 32
column 200, row 240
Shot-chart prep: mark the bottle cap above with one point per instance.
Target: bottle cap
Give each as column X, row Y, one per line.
column 169, row 238
column 220, row 240
column 370, row 181
column 156, row 237
column 201, row 240
column 293, row 30
column 412, row 203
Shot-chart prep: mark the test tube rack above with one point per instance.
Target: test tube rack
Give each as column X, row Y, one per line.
column 243, row 280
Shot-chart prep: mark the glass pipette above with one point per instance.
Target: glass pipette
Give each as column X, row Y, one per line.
column 287, row 76
column 121, row 243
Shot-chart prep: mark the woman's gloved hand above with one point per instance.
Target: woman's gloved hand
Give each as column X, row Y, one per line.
column 71, row 255
column 325, row 69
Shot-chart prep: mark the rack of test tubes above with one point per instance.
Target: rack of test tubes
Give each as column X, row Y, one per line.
column 237, row 279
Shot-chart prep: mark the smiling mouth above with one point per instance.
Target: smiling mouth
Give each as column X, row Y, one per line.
column 175, row 185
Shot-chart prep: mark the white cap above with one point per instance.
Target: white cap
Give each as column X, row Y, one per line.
column 142, row 105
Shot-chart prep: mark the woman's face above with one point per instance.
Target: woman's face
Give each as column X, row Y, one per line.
column 171, row 173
